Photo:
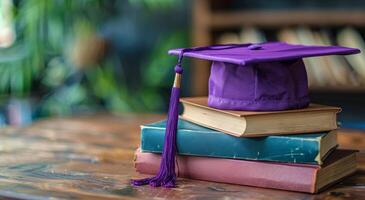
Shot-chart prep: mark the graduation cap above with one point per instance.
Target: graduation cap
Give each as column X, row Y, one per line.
column 257, row 77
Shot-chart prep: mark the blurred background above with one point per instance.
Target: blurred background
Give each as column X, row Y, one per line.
column 67, row 57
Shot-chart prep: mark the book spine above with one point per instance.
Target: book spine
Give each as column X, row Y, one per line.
column 215, row 144
column 259, row 174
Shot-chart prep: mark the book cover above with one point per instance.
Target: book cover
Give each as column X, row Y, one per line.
column 314, row 118
column 294, row 177
column 196, row 140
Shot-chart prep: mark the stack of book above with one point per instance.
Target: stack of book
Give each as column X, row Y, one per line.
column 289, row 150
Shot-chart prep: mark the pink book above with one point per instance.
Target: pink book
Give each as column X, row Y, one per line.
column 294, row 177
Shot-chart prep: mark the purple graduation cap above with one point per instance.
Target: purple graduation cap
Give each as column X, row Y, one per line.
column 258, row 77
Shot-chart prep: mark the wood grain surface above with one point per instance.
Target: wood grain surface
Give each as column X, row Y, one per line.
column 91, row 157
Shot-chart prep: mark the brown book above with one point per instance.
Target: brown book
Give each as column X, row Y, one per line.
column 315, row 118
column 284, row 176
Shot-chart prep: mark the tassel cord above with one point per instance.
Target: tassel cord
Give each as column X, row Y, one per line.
column 166, row 175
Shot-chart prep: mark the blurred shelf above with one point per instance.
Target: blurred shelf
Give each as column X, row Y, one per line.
column 359, row 89
column 287, row 18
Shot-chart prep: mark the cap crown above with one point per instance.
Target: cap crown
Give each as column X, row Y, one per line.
column 262, row 86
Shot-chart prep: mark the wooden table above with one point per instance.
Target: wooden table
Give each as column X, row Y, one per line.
column 91, row 157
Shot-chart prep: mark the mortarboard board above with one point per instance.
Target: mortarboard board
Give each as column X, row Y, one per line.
column 260, row 77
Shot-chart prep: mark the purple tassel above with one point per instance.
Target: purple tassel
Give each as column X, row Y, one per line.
column 166, row 175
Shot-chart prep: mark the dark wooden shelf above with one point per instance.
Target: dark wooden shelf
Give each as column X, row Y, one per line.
column 287, row 18
column 359, row 89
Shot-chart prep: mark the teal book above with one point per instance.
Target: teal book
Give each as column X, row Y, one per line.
column 195, row 140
